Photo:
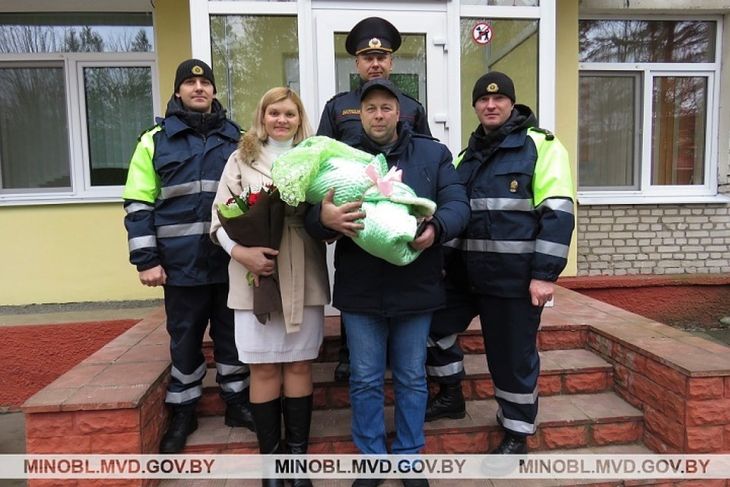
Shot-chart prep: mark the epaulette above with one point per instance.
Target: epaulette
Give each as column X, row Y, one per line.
column 139, row 137
column 338, row 95
column 548, row 135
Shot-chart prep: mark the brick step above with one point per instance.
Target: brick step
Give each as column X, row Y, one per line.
column 551, row 336
column 566, row 421
column 627, row 449
column 562, row 372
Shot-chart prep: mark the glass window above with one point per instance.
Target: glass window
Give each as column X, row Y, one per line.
column 512, row 48
column 100, row 62
column 608, row 117
column 507, row 3
column 119, row 102
column 34, row 150
column 625, row 72
column 251, row 54
column 76, row 32
column 647, row 41
column 679, row 131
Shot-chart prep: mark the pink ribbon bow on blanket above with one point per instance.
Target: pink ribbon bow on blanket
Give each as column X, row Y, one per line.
column 384, row 183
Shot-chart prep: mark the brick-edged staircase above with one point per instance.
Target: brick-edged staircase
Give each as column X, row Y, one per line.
column 578, row 407
column 611, row 382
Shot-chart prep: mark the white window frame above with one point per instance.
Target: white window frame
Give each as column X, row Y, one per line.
column 81, row 190
column 648, row 193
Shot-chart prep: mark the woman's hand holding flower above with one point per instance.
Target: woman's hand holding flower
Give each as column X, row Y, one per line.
column 258, row 260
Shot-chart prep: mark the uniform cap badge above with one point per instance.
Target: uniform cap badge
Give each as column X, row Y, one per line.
column 492, row 88
column 196, row 70
column 375, row 43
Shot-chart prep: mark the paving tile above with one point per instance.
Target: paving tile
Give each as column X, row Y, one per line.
column 48, row 399
column 105, row 397
column 121, row 374
column 78, row 376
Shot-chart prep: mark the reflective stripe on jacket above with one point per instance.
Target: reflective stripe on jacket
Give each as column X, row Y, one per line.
column 522, row 219
column 172, row 180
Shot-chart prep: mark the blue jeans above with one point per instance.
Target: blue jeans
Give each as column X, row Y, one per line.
column 369, row 337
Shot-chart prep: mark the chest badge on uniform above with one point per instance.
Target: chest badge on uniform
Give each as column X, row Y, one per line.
column 513, row 185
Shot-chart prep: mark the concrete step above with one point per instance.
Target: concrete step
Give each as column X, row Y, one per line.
column 565, row 421
column 573, row 371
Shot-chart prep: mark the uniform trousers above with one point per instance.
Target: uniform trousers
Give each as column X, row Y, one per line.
column 189, row 310
column 509, row 329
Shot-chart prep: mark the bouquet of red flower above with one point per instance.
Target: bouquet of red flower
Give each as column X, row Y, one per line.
column 256, row 219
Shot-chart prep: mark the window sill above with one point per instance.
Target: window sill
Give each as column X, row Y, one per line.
column 17, row 200
column 604, row 199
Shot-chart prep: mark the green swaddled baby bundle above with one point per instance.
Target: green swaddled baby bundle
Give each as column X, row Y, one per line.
column 318, row 164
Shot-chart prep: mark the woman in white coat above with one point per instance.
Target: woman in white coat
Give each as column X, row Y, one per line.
column 279, row 352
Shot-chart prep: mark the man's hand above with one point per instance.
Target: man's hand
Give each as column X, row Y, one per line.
column 155, row 276
column 541, row 292
column 425, row 239
column 343, row 218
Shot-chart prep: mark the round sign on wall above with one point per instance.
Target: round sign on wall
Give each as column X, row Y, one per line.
column 482, row 33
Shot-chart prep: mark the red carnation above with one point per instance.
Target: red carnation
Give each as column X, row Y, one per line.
column 252, row 199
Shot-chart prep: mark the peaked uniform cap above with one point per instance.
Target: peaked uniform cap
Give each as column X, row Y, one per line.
column 373, row 35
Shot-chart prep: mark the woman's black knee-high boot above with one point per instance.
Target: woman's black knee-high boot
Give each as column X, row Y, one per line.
column 267, row 417
column 297, row 418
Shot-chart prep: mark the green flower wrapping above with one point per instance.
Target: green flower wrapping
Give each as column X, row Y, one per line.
column 308, row 171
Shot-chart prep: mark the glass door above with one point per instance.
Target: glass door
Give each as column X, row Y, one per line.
column 419, row 66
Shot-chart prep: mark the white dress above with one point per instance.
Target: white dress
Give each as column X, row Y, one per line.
column 270, row 343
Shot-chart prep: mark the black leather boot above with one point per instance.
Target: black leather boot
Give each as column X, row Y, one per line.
column 267, row 416
column 238, row 414
column 297, row 419
column 447, row 403
column 511, row 445
column 183, row 422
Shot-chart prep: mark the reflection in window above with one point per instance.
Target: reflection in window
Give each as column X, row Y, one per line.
column 513, row 49
column 34, row 149
column 251, row 54
column 678, row 119
column 646, row 41
column 608, row 139
column 119, row 107
column 75, row 32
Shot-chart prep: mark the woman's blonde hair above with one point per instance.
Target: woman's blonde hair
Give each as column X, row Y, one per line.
column 256, row 136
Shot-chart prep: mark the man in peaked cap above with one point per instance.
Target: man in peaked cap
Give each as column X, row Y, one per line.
column 172, row 180
column 372, row 42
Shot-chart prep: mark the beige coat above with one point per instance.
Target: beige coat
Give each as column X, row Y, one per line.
column 301, row 262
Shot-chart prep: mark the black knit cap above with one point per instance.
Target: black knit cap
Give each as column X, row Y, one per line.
column 493, row 83
column 191, row 68
column 373, row 35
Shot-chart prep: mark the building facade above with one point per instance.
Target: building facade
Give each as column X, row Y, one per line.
column 637, row 91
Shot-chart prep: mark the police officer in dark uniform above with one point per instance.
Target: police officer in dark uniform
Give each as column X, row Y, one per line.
column 172, row 180
column 372, row 41
column 503, row 267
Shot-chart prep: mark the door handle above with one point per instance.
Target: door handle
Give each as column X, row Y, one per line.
column 441, row 118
